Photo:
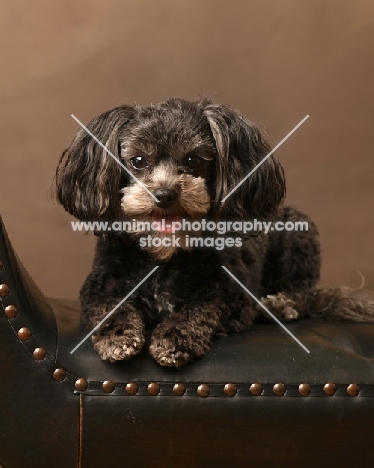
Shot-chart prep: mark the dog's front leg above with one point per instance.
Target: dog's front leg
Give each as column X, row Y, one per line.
column 121, row 336
column 186, row 335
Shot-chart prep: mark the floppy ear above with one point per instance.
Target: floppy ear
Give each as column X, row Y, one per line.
column 87, row 178
column 240, row 147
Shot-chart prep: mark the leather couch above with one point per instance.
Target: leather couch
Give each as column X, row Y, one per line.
column 256, row 399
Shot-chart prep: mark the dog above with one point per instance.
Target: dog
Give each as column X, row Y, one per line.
column 175, row 161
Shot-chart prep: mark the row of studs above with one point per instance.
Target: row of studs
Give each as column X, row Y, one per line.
column 24, row 334
column 179, row 389
column 203, row 390
column 153, row 388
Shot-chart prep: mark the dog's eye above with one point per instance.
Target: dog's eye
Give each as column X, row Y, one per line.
column 194, row 162
column 139, row 162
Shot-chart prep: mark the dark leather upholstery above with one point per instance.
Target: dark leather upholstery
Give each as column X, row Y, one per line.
column 49, row 423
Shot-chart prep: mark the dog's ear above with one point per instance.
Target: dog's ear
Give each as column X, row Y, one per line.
column 240, row 148
column 88, row 179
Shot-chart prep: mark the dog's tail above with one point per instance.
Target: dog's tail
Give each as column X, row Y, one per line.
column 341, row 304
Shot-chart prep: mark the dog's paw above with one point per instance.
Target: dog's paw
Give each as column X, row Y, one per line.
column 112, row 347
column 281, row 306
column 176, row 346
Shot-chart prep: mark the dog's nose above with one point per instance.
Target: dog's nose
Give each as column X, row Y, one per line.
column 166, row 197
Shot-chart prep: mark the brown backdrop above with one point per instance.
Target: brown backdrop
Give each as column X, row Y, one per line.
column 275, row 60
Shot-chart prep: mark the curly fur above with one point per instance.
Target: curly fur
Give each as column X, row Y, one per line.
column 189, row 155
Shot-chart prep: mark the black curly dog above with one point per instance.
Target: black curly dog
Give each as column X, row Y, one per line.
column 189, row 155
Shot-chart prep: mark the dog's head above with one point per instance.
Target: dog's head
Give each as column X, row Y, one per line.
column 182, row 159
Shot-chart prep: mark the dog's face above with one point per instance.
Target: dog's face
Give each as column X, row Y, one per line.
column 171, row 151
column 189, row 155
